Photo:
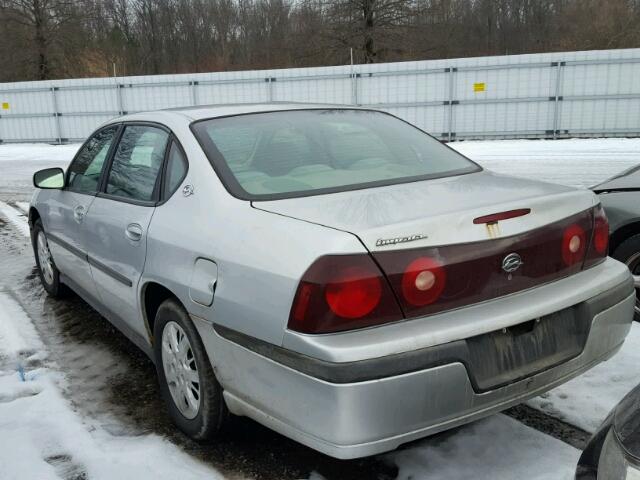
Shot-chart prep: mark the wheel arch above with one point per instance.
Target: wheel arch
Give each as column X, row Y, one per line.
column 152, row 295
column 34, row 216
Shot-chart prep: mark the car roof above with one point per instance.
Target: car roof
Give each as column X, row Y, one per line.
column 201, row 112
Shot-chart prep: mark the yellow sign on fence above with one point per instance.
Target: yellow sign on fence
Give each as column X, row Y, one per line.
column 479, row 87
column 5, row 105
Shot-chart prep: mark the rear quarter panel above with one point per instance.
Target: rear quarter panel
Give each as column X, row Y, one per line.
column 260, row 256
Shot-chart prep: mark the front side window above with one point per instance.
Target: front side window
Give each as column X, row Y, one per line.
column 85, row 170
column 304, row 152
column 137, row 163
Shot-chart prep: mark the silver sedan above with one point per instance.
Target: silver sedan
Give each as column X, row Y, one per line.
column 333, row 273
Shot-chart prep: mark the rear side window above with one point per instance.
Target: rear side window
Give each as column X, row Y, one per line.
column 176, row 170
column 85, row 170
column 137, row 163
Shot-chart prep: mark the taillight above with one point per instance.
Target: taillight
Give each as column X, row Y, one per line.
column 354, row 292
column 423, row 281
column 342, row 292
column 574, row 244
column 601, row 232
column 435, row 279
column 600, row 238
column 346, row 292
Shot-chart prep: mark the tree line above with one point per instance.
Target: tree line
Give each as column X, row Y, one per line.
column 48, row 39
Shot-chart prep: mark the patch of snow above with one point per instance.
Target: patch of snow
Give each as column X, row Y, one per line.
column 576, row 162
column 17, row 335
column 586, row 400
column 15, row 217
column 497, row 447
column 18, row 162
column 38, row 152
column 24, row 206
column 44, row 438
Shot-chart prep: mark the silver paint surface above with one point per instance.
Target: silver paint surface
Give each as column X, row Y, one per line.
column 262, row 250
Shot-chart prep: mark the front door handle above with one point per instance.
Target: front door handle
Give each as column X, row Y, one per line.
column 78, row 213
column 133, row 232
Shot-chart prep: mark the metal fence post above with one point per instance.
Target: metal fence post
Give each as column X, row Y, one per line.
column 119, row 88
column 194, row 92
column 557, row 98
column 354, row 88
column 56, row 114
column 270, row 81
column 452, row 71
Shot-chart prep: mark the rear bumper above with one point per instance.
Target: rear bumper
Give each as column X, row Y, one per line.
column 361, row 408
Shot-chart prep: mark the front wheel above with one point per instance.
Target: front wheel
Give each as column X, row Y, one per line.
column 187, row 382
column 628, row 252
column 47, row 270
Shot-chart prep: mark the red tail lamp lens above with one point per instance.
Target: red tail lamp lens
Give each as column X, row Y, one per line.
column 601, row 233
column 574, row 244
column 342, row 292
column 423, row 281
column 354, row 293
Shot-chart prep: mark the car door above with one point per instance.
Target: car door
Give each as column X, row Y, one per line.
column 119, row 217
column 67, row 209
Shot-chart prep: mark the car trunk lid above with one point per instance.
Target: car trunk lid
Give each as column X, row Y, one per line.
column 436, row 212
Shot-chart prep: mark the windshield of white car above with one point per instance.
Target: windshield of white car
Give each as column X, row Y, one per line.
column 266, row 156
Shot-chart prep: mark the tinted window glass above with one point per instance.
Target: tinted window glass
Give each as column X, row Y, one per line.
column 273, row 155
column 137, row 162
column 176, row 170
column 84, row 172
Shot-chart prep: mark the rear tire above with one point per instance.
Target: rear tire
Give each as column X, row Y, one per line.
column 187, row 382
column 628, row 252
column 47, row 270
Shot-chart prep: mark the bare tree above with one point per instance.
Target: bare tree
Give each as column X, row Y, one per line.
column 41, row 39
column 48, row 27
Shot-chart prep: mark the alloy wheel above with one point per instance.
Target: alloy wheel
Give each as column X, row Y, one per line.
column 44, row 258
column 180, row 370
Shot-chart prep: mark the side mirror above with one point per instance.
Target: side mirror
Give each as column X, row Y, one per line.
column 51, row 178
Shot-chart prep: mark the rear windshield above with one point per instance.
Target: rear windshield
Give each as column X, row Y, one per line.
column 284, row 154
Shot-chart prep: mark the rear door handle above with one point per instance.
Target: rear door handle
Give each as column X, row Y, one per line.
column 133, row 232
column 78, row 213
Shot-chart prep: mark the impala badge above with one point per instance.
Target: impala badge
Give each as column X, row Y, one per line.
column 511, row 263
column 383, row 242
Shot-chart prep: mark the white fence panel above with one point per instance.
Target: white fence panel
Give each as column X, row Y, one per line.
column 30, row 129
column 87, row 100
column 253, row 91
column 548, row 95
column 314, row 90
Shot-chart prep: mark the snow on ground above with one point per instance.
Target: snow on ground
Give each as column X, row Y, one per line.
column 44, row 438
column 18, row 162
column 16, row 217
column 576, row 162
column 38, row 152
column 498, row 447
column 587, row 400
column 23, row 206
